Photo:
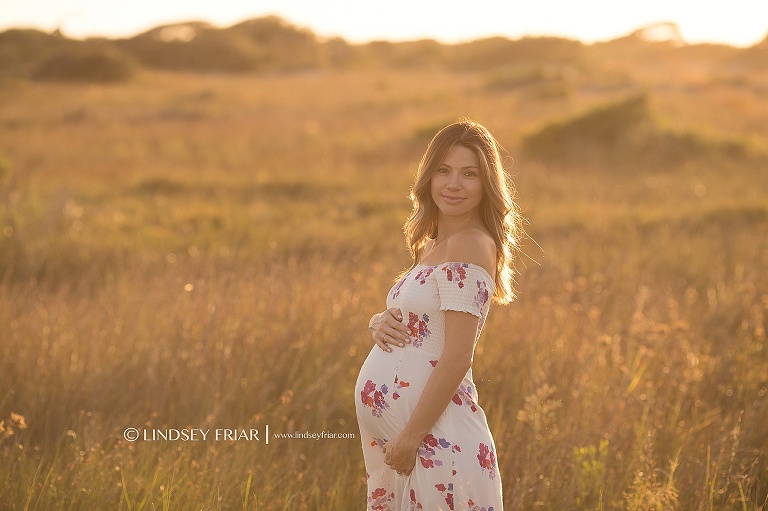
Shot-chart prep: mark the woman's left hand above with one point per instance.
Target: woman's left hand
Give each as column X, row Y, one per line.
column 400, row 454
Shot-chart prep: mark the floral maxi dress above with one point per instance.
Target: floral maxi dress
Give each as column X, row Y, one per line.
column 456, row 466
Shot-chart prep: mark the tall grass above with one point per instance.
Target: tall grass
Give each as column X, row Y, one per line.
column 205, row 251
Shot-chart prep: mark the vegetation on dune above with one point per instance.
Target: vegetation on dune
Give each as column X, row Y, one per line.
column 20, row 49
column 85, row 62
column 192, row 47
column 626, row 133
column 272, row 45
column 204, row 251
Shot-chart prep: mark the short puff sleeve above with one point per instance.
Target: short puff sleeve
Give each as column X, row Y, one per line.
column 464, row 287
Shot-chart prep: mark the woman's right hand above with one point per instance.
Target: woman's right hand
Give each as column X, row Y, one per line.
column 387, row 328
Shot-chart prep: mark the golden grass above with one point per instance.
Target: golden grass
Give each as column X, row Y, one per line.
column 205, row 251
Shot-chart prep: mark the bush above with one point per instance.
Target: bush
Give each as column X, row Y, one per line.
column 606, row 130
column 85, row 62
column 283, row 46
column 498, row 51
column 193, row 47
column 627, row 132
column 20, row 49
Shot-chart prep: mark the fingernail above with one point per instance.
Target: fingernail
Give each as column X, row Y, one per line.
column 401, row 344
column 389, row 350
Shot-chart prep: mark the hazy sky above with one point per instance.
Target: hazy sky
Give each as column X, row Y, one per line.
column 735, row 22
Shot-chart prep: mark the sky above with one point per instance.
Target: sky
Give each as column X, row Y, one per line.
column 735, row 22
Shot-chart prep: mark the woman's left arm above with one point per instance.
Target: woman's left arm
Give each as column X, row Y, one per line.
column 472, row 246
column 460, row 331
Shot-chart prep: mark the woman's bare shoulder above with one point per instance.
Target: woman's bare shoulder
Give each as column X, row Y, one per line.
column 472, row 245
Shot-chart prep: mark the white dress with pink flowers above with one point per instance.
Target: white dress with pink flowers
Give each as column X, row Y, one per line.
column 456, row 467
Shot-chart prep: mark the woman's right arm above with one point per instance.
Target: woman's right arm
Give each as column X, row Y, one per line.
column 387, row 328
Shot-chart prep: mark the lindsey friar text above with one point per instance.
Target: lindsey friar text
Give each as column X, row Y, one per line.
column 196, row 434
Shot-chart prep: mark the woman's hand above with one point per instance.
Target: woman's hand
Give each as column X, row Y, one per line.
column 400, row 454
column 387, row 328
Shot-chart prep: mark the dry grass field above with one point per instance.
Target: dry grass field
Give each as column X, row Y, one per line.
column 204, row 251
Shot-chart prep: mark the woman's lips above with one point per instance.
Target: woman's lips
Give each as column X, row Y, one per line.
column 452, row 199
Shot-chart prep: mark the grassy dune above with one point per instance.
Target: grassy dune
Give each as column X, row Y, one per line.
column 205, row 251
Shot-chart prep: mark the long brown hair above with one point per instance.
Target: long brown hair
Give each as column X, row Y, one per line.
column 498, row 211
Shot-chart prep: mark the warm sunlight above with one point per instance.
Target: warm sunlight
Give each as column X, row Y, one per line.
column 742, row 23
column 291, row 255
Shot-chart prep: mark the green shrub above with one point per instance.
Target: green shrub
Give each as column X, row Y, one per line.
column 193, row 47
column 85, row 62
column 605, row 130
column 498, row 51
column 21, row 48
column 282, row 45
column 627, row 132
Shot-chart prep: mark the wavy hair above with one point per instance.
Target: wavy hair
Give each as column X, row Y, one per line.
column 498, row 211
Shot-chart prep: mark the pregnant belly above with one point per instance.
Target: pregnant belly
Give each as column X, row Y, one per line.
column 388, row 388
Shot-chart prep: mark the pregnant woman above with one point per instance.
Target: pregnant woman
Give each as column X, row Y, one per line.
column 426, row 441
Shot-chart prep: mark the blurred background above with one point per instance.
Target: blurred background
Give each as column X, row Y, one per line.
column 200, row 210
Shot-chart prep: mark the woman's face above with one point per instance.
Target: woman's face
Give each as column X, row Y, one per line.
column 457, row 186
